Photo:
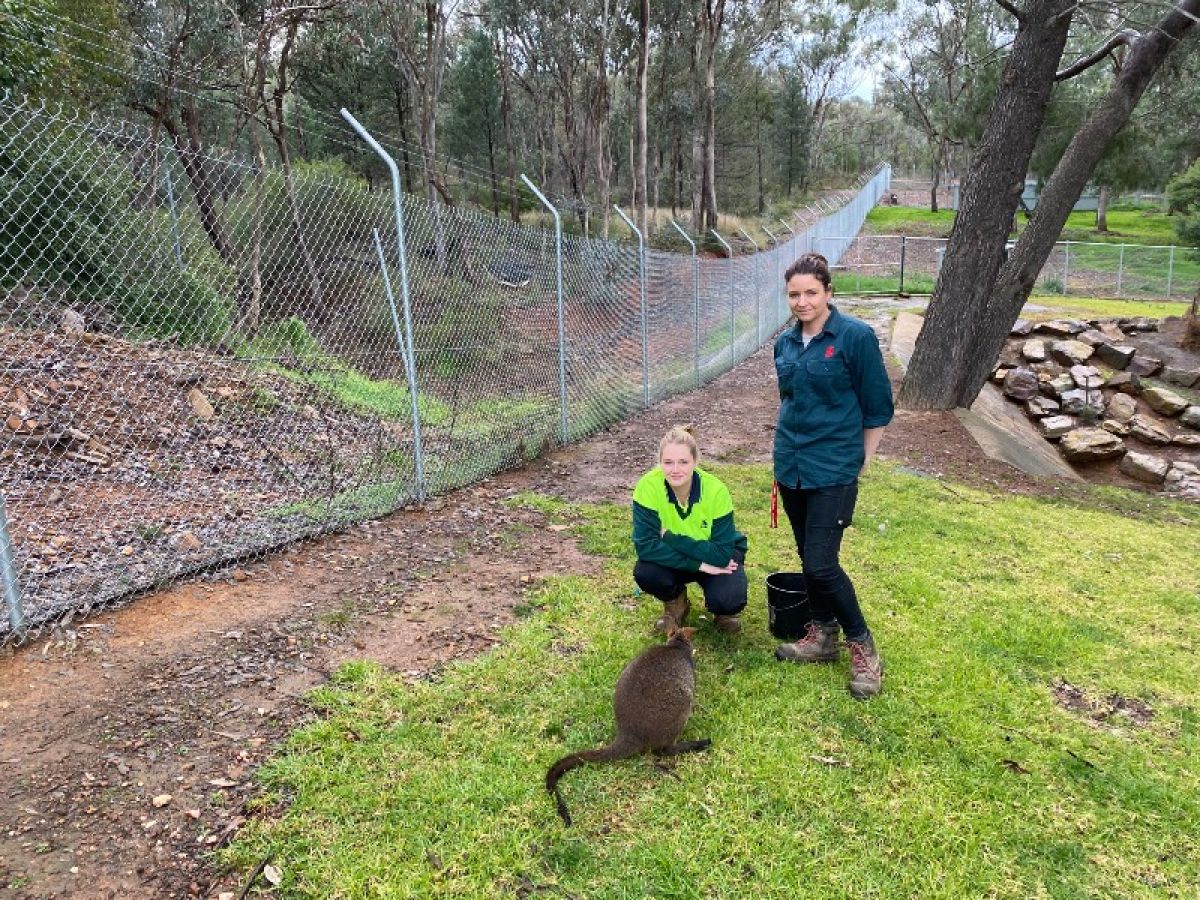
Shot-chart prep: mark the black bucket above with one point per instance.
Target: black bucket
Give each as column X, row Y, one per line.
column 788, row 612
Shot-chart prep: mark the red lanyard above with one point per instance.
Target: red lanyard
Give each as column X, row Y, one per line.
column 774, row 504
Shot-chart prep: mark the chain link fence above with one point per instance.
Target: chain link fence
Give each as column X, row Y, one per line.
column 203, row 359
column 890, row 264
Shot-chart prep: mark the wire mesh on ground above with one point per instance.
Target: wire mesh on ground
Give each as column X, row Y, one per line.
column 202, row 359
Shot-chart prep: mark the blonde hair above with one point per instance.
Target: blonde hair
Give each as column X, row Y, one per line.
column 683, row 435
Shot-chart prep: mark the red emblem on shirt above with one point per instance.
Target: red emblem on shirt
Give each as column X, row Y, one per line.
column 829, row 352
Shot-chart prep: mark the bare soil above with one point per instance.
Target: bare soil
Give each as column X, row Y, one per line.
column 128, row 743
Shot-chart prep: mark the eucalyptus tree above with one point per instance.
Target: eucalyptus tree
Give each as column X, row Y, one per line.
column 26, row 43
column 940, row 70
column 981, row 290
column 474, row 129
column 181, row 51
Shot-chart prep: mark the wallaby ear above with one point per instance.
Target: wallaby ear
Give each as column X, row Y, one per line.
column 687, row 633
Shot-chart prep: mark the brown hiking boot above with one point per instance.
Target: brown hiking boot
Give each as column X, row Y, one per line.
column 866, row 669
column 819, row 644
column 675, row 612
column 728, row 624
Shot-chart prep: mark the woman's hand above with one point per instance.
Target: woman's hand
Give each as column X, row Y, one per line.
column 728, row 569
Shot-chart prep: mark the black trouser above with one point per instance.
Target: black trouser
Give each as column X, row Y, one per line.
column 724, row 595
column 818, row 517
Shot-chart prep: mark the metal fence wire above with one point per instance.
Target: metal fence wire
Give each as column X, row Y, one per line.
column 203, row 359
column 892, row 263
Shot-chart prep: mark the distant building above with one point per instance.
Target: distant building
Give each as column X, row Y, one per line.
column 1088, row 201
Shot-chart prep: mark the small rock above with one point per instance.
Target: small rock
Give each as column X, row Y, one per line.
column 1087, row 377
column 186, row 540
column 1191, row 417
column 163, row 799
column 1116, row 355
column 1122, row 407
column 1038, row 407
column 1143, row 366
column 1054, row 427
column 1186, row 439
column 1021, row 384
column 1163, row 401
column 1090, row 445
column 1058, row 385
column 200, row 405
column 1146, row 429
column 72, row 322
column 1034, row 351
column 1179, row 376
column 1022, row 327
column 1071, row 353
column 1062, row 327
column 1144, row 467
column 1112, row 426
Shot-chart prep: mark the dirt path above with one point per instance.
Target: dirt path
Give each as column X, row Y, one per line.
column 128, row 743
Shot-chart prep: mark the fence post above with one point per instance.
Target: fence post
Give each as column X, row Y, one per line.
column 174, row 217
column 642, row 295
column 562, row 329
column 1066, row 267
column 903, row 248
column 732, row 300
column 778, row 275
column 8, row 576
column 398, row 211
column 695, row 299
column 1170, row 270
column 757, row 298
column 408, row 357
column 1120, row 269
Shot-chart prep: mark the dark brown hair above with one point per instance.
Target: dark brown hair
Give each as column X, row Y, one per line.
column 810, row 264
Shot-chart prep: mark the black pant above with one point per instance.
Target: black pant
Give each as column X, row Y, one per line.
column 724, row 595
column 818, row 517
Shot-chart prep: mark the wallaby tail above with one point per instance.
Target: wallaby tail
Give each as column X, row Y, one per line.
column 618, row 749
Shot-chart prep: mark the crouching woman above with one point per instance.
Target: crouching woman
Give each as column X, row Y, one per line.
column 684, row 534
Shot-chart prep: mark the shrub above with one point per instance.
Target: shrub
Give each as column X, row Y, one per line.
column 69, row 224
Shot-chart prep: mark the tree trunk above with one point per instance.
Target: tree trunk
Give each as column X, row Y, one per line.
column 939, row 159
column 940, row 373
column 190, row 149
column 1070, row 176
column 1102, row 210
column 639, row 161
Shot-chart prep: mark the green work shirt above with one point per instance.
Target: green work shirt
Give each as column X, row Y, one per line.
column 703, row 531
column 829, row 392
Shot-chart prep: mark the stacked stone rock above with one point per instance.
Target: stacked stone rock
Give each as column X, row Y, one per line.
column 1082, row 381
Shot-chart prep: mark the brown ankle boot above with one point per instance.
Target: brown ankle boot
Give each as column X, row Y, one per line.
column 675, row 612
column 866, row 669
column 728, row 624
column 819, row 644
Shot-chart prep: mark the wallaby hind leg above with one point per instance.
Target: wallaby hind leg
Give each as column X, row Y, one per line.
column 684, row 747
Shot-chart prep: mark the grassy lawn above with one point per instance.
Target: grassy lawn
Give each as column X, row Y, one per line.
column 909, row 220
column 1126, row 225
column 967, row 778
column 1094, row 307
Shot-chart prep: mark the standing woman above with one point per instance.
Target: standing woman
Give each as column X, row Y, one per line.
column 684, row 534
column 835, row 399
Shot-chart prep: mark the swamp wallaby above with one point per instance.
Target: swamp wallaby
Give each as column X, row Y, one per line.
column 652, row 703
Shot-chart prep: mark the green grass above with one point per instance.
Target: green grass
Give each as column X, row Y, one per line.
column 1126, row 225
column 849, row 283
column 1102, row 308
column 909, row 220
column 964, row 779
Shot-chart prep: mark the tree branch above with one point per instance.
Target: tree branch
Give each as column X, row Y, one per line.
column 1126, row 36
column 1011, row 9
